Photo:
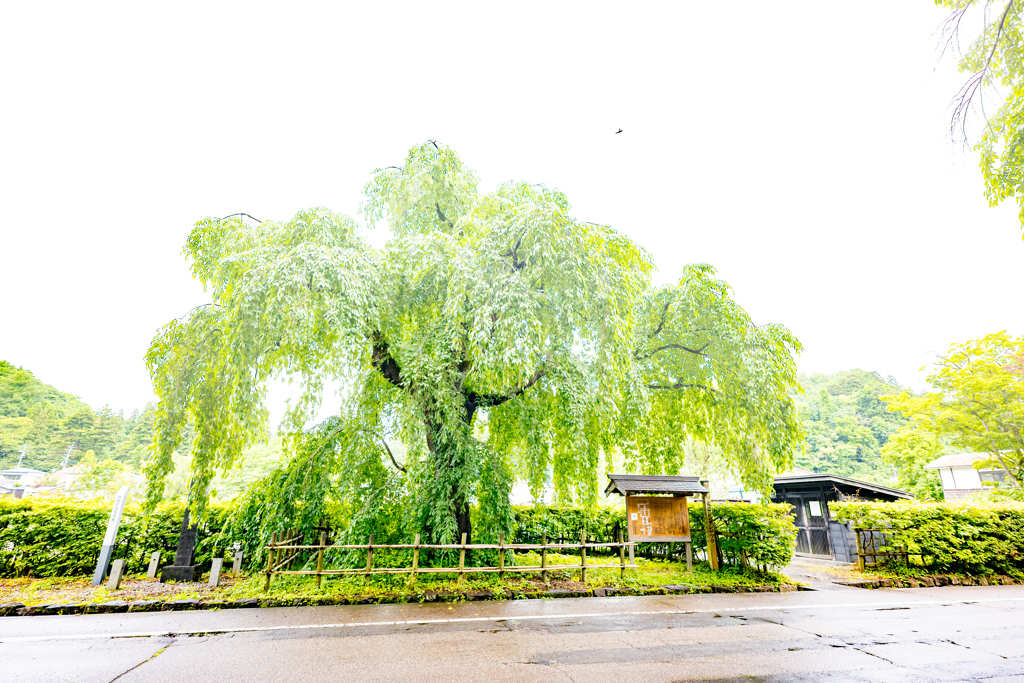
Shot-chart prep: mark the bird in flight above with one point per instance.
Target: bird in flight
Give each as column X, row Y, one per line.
column 618, row 131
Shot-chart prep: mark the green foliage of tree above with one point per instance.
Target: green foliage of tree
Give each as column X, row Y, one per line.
column 48, row 421
column 495, row 335
column 978, row 403
column 909, row 450
column 847, row 425
column 994, row 61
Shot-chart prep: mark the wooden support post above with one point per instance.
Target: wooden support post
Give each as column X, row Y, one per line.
column 583, row 557
column 689, row 557
column 415, row 557
column 320, row 558
column 369, row 557
column 622, row 557
column 270, row 561
column 462, row 561
column 709, row 531
column 544, row 557
column 501, row 554
column 860, row 549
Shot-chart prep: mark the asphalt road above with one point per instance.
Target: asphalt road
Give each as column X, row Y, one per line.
column 941, row 634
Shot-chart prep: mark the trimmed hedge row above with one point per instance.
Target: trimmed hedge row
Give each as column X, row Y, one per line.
column 749, row 534
column 972, row 538
column 44, row 537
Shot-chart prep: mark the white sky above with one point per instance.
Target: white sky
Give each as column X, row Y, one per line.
column 801, row 148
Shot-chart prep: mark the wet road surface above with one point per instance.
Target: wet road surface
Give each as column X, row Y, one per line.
column 939, row 634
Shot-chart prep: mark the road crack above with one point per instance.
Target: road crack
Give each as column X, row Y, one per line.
column 150, row 659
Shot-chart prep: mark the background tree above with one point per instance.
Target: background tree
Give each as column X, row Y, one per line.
column 979, row 402
column 995, row 62
column 847, row 425
column 908, row 451
column 495, row 335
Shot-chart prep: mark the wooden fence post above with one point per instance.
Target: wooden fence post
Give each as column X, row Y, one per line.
column 689, row 557
column 270, row 561
column 462, row 561
column 415, row 556
column 369, row 557
column 320, row 558
column 622, row 557
column 860, row 549
column 544, row 557
column 501, row 554
column 583, row 557
column 709, row 531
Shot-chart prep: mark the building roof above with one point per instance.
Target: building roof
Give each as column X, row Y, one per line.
column 957, row 460
column 637, row 483
column 20, row 470
column 835, row 480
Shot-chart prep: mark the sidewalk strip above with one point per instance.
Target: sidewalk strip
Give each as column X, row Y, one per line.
column 517, row 618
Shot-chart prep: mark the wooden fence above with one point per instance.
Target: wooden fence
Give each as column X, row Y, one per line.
column 875, row 543
column 282, row 553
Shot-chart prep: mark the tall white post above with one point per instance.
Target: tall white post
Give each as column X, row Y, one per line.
column 108, row 540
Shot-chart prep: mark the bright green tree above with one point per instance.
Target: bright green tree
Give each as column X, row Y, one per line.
column 995, row 62
column 979, row 401
column 909, row 450
column 494, row 335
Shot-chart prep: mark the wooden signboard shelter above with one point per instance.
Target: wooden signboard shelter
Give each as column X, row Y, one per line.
column 663, row 516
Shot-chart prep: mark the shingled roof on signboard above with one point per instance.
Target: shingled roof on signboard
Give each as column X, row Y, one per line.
column 630, row 484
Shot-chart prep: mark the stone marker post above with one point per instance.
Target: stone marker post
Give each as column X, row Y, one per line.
column 215, row 568
column 182, row 569
column 113, row 524
column 116, row 571
column 236, row 568
column 154, row 564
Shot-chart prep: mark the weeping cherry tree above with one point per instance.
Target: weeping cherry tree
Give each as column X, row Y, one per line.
column 495, row 335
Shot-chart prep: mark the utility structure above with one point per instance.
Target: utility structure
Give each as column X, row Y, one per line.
column 67, row 455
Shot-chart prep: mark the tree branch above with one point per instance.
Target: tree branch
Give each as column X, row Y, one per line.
column 661, row 325
column 699, row 352
column 440, row 214
column 680, row 385
column 474, row 400
column 384, row 363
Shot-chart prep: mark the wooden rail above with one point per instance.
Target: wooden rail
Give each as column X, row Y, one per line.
column 870, row 543
column 286, row 546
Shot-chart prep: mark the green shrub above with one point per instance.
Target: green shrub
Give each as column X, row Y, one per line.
column 979, row 538
column 47, row 537
column 751, row 534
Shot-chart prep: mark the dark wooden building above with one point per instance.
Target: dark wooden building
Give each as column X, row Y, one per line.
column 810, row 493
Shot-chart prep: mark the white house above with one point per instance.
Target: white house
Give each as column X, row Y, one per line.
column 959, row 477
column 23, row 476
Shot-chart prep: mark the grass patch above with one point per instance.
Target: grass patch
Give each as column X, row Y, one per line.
column 650, row 573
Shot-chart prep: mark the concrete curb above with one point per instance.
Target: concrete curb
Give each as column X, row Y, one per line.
column 933, row 581
column 17, row 609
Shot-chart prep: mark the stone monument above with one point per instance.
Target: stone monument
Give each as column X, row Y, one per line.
column 182, row 569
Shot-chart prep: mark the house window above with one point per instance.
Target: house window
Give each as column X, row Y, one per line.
column 994, row 476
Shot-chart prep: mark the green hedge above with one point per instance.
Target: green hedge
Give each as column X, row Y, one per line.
column 45, row 537
column 971, row 538
column 757, row 535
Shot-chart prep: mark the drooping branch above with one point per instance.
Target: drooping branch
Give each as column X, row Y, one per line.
column 681, row 385
column 385, row 364
column 661, row 325
column 514, row 253
column 474, row 400
column 698, row 352
column 440, row 214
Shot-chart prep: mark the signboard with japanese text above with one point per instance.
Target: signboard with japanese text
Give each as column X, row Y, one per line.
column 658, row 519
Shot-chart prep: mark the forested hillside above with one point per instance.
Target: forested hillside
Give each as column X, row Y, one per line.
column 49, row 421
column 847, row 425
